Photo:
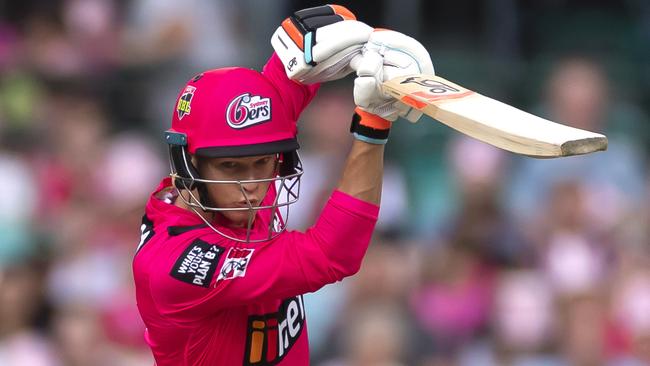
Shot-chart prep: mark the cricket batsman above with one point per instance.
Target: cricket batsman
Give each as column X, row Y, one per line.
column 219, row 281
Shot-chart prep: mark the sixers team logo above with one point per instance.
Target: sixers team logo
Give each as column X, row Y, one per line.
column 235, row 264
column 247, row 110
column 183, row 107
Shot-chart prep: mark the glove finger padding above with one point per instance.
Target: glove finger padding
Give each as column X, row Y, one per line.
column 317, row 44
column 367, row 85
column 402, row 55
column 400, row 52
column 368, row 94
column 364, row 89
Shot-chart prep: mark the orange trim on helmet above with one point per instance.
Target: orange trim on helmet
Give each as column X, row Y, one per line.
column 294, row 33
column 343, row 11
column 372, row 120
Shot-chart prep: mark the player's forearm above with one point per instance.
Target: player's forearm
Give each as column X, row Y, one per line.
column 363, row 172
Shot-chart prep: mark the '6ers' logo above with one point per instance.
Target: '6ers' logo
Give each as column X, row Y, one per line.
column 247, row 110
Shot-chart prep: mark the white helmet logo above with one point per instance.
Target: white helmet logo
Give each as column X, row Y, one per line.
column 247, row 110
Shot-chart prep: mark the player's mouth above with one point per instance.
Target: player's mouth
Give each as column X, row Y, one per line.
column 248, row 204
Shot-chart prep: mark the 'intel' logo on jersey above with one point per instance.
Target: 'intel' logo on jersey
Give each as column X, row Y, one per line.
column 247, row 110
column 271, row 336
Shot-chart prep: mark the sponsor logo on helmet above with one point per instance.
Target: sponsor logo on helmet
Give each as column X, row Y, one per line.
column 271, row 336
column 247, row 110
column 183, row 107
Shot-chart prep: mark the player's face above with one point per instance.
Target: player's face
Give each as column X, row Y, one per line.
column 231, row 195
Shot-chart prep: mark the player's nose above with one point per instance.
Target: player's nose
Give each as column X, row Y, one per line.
column 250, row 187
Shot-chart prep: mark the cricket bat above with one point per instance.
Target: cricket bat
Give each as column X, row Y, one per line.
column 491, row 121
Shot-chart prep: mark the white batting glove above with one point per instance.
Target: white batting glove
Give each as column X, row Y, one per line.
column 317, row 44
column 388, row 54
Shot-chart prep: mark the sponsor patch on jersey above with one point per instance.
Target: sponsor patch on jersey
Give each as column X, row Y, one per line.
column 235, row 263
column 197, row 263
column 183, row 107
column 271, row 336
column 247, row 110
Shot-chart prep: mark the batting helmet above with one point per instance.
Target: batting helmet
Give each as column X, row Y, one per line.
column 234, row 112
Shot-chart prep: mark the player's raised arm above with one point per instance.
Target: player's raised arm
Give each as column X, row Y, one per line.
column 388, row 54
column 333, row 248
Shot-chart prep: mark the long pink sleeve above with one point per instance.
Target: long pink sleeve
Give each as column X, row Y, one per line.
column 294, row 263
column 295, row 96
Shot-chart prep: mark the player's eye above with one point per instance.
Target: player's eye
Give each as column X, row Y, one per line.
column 228, row 165
column 264, row 161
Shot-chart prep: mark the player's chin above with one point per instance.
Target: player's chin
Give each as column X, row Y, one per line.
column 239, row 218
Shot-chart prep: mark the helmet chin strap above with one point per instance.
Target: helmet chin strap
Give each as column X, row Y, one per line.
column 185, row 202
column 204, row 197
column 202, row 190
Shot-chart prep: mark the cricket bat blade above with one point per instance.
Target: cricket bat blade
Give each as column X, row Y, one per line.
column 491, row 121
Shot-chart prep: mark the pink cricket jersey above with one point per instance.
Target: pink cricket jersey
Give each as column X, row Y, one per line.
column 208, row 300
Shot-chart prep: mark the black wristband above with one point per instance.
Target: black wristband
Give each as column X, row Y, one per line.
column 366, row 133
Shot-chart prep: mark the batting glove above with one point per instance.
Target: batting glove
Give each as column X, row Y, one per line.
column 317, row 44
column 388, row 54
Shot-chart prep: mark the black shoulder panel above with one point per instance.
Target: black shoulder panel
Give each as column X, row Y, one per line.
column 146, row 232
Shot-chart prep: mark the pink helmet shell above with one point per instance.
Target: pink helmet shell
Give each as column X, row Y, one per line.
column 233, row 112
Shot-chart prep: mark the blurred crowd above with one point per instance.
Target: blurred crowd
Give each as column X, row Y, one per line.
column 480, row 257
